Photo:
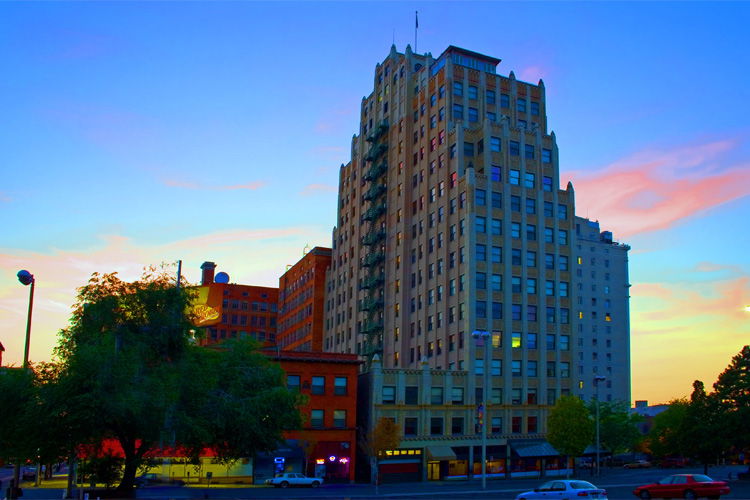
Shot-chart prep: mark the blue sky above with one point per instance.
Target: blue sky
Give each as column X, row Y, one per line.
column 133, row 133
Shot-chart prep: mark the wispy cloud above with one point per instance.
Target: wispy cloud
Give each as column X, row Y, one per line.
column 654, row 190
column 315, row 189
column 532, row 74
column 4, row 198
column 205, row 187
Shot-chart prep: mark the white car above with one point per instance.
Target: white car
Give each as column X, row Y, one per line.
column 564, row 489
column 287, row 479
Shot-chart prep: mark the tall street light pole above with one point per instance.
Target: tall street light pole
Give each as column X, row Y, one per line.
column 25, row 278
column 486, row 338
column 597, row 379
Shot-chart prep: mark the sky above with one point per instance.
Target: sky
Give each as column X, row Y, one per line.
column 135, row 133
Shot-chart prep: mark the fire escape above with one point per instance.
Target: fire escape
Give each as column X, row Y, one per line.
column 374, row 242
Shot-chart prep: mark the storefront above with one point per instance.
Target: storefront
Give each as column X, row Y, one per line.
column 442, row 463
column 289, row 458
column 535, row 458
column 331, row 461
column 401, row 466
column 496, row 462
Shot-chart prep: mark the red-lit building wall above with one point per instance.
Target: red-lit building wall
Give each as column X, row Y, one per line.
column 333, row 432
column 302, row 291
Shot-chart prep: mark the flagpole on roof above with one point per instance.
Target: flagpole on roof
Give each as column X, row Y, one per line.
column 416, row 27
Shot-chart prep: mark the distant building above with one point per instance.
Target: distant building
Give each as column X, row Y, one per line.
column 302, row 290
column 603, row 300
column 648, row 413
column 229, row 310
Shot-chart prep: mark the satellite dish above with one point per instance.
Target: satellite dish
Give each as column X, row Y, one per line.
column 222, row 278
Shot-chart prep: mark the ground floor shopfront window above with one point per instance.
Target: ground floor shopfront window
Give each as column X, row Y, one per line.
column 495, row 468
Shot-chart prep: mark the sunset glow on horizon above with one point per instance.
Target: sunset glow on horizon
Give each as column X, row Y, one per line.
column 139, row 133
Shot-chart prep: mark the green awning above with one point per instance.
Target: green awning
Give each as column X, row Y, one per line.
column 440, row 453
column 533, row 448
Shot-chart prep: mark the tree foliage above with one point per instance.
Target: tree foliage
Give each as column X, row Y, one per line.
column 569, row 426
column 385, row 435
column 733, row 389
column 130, row 371
column 19, row 398
column 666, row 433
column 618, row 428
column 704, row 432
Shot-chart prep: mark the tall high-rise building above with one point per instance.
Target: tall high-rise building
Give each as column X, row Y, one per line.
column 451, row 220
column 603, row 296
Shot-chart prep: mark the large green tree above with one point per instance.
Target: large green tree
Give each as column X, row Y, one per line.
column 666, row 433
column 618, row 428
column 733, row 388
column 130, row 368
column 704, row 431
column 569, row 426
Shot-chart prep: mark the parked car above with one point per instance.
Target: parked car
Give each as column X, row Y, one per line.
column 562, row 488
column 286, row 479
column 638, row 464
column 28, row 475
column 150, row 479
column 687, row 486
column 668, row 463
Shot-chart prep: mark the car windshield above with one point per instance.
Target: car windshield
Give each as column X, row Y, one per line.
column 700, row 478
column 582, row 485
column 279, row 475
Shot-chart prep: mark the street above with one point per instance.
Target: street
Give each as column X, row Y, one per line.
column 618, row 482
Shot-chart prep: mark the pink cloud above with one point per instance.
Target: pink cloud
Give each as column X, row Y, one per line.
column 654, row 190
column 193, row 185
column 315, row 189
column 532, row 74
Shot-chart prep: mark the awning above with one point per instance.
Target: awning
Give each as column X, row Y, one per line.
column 533, row 448
column 440, row 453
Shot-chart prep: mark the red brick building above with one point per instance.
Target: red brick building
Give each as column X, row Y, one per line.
column 228, row 310
column 329, row 380
column 302, row 291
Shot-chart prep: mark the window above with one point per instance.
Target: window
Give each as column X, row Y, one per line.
column 458, row 88
column 436, row 426
column 495, row 173
column 549, row 261
column 515, row 397
column 531, row 313
column 411, row 426
column 318, row 385
column 547, row 157
column 530, row 206
column 495, row 144
column 531, row 285
column 457, row 395
column 481, row 281
column 547, row 183
column 436, row 395
column 562, row 212
column 548, row 210
column 505, row 100
column 562, row 236
column 530, row 180
column 441, row 91
column 514, row 148
column 468, row 149
column 340, row 386
column 563, row 289
column 529, row 151
column 515, row 256
column 481, row 224
column 549, row 235
column 516, row 340
column 515, row 282
column 458, row 113
column 564, row 316
column 549, row 288
column 515, row 203
column 339, row 419
column 473, row 92
column 497, row 226
column 457, row 426
column 497, row 282
column 516, row 368
column 516, row 312
column 515, row 177
column 521, row 105
column 531, row 340
column 551, row 341
column 497, row 200
column 441, row 114
column 317, row 418
column 515, row 230
column 389, row 395
column 292, row 383
column 531, row 372
column 565, row 369
column 530, row 232
column 550, row 314
column 473, row 115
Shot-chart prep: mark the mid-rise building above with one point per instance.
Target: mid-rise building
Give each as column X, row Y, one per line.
column 603, row 300
column 302, row 290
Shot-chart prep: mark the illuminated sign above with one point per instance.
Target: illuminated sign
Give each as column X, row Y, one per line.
column 205, row 312
column 332, row 458
column 320, row 461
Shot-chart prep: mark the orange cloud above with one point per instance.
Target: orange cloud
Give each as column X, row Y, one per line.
column 654, row 190
column 192, row 185
column 314, row 189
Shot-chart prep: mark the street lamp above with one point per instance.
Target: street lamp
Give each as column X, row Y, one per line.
column 597, row 379
column 486, row 338
column 25, row 278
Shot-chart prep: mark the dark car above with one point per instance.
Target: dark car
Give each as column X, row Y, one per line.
column 638, row 464
column 151, row 479
column 669, row 463
column 687, row 486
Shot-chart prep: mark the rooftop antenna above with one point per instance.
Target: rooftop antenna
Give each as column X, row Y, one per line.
column 416, row 27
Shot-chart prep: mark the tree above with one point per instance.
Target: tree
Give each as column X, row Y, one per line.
column 665, row 435
column 386, row 435
column 569, row 427
column 733, row 388
column 618, row 428
column 18, row 432
column 704, row 431
column 130, row 370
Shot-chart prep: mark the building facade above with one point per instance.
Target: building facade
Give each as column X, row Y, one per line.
column 451, row 220
column 230, row 310
column 603, row 300
column 302, row 291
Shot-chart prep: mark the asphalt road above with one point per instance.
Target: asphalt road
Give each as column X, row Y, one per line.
column 619, row 484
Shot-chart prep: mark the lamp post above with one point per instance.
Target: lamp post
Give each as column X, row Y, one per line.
column 486, row 338
column 597, row 379
column 25, row 278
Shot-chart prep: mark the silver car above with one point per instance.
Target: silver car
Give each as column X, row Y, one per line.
column 564, row 489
